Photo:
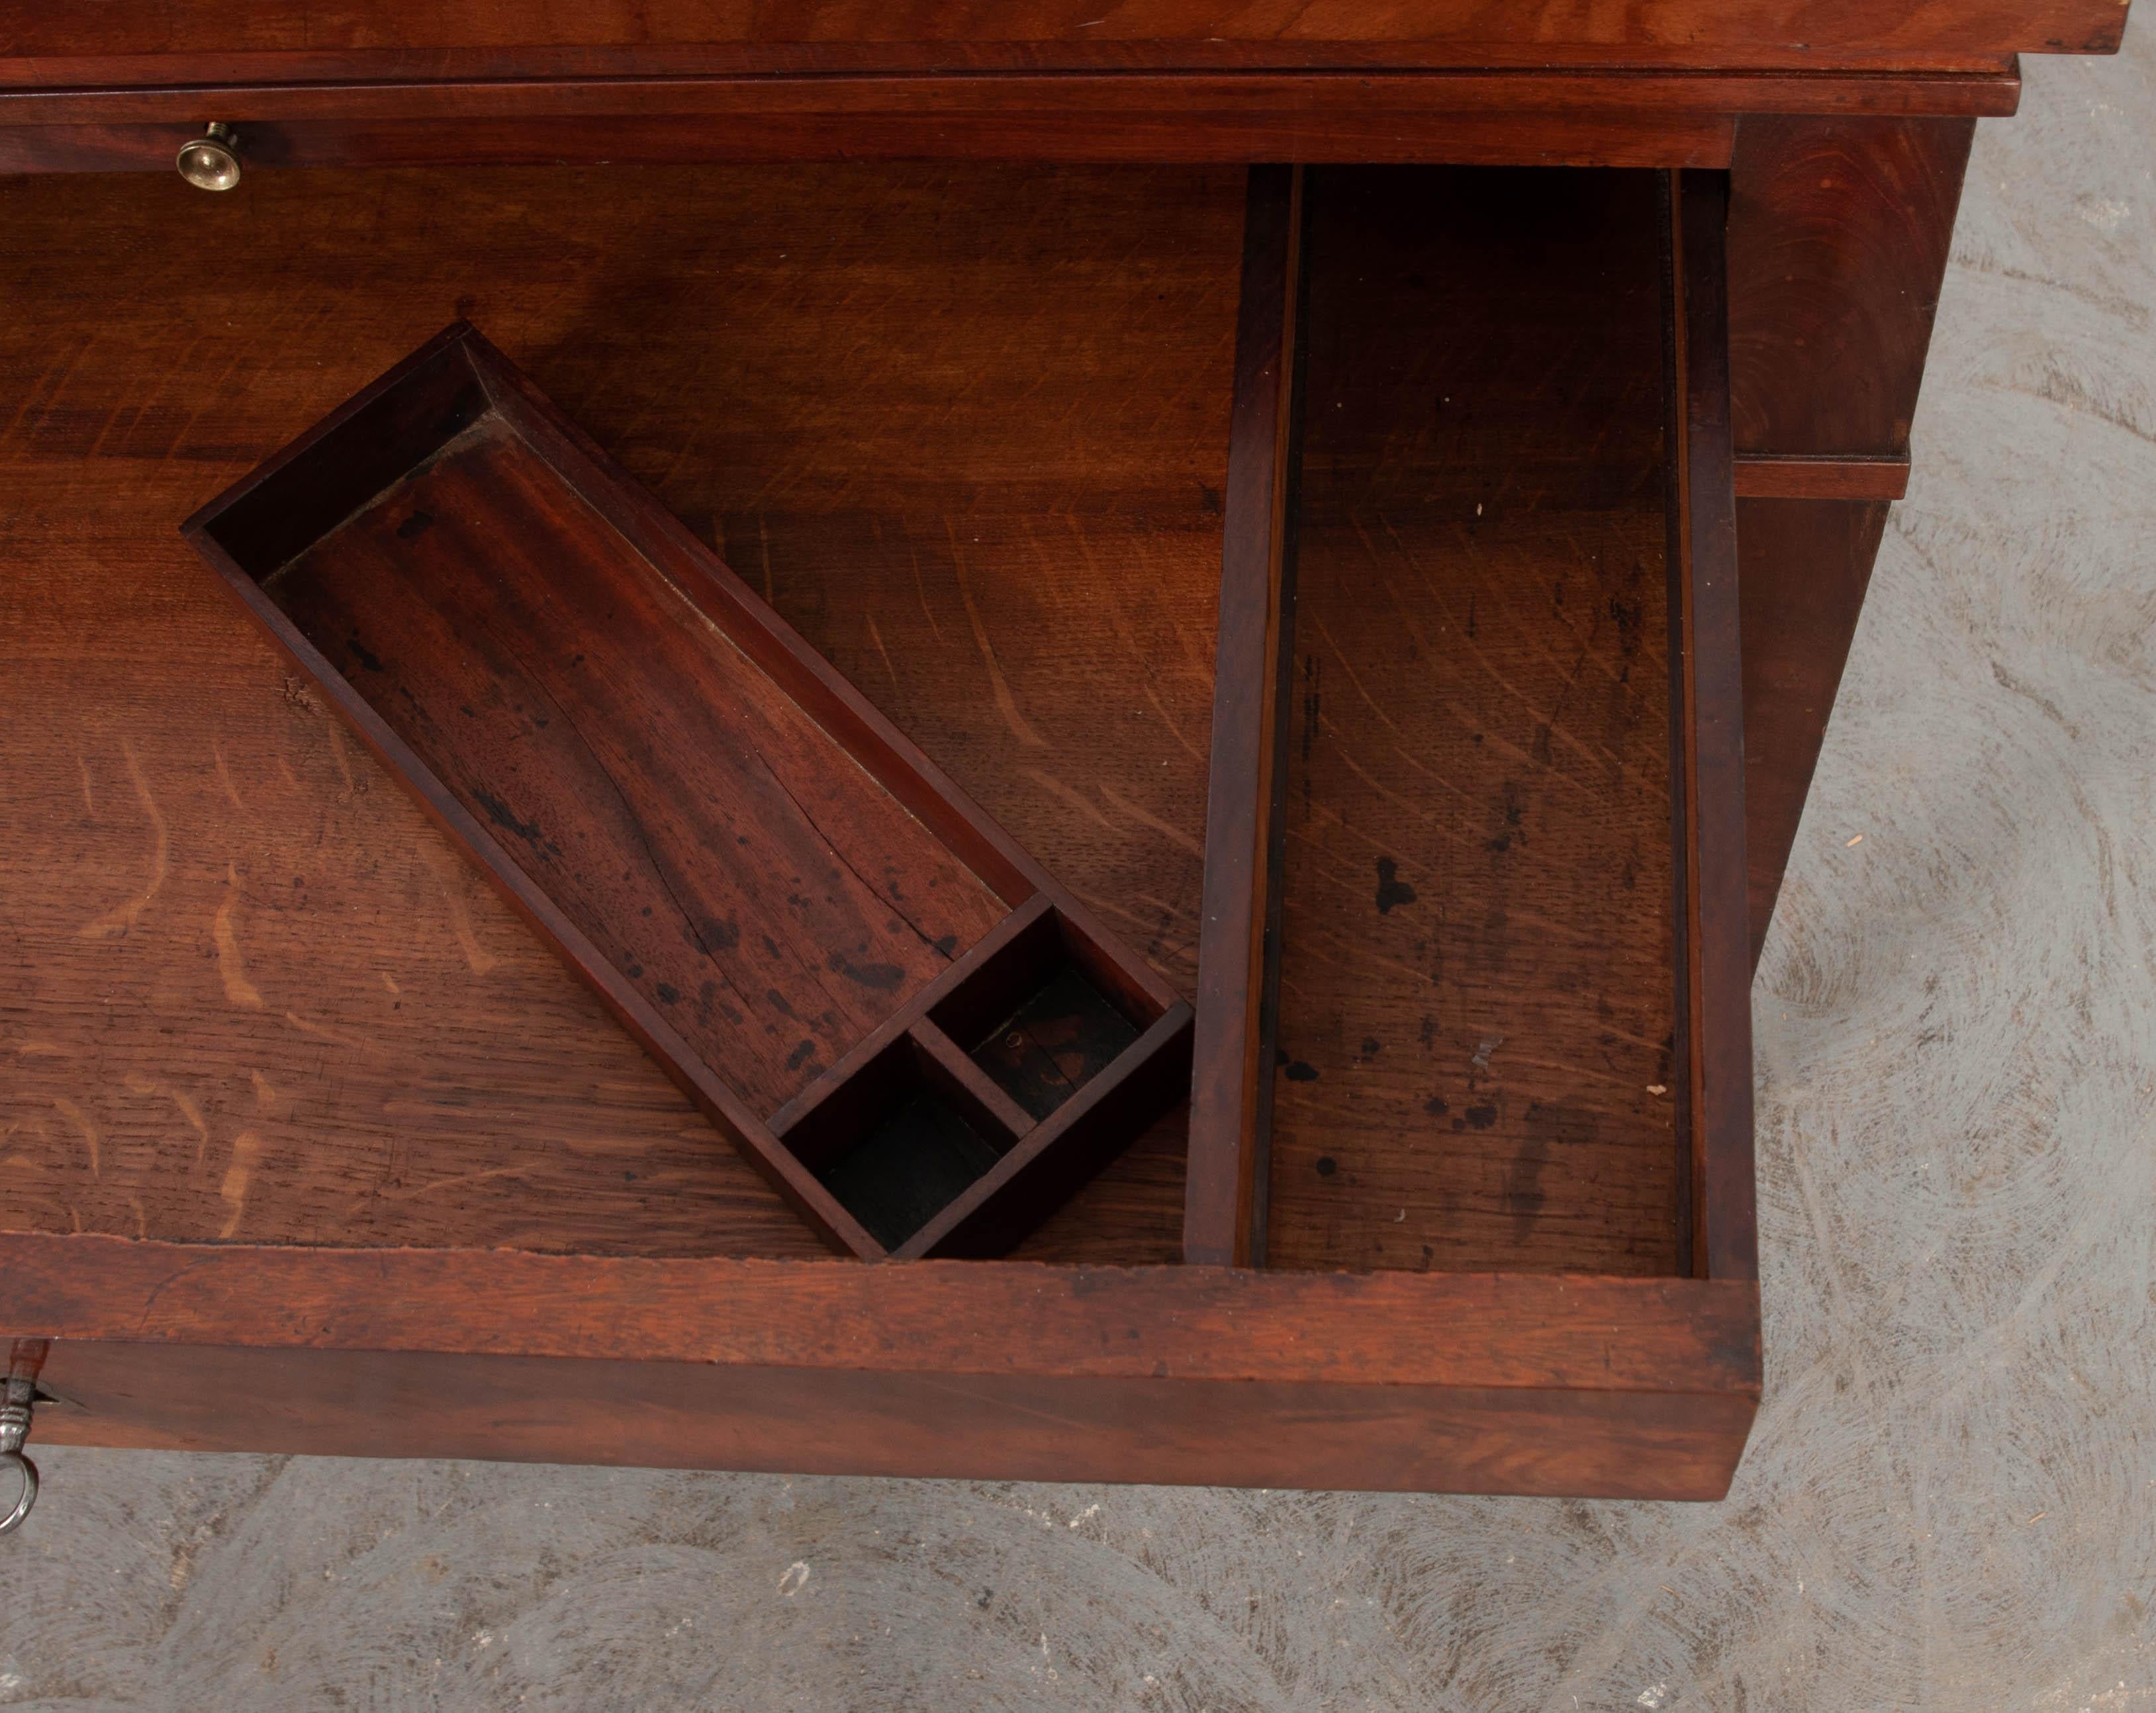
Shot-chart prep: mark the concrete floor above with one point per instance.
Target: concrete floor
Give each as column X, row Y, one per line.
column 1950, row 1500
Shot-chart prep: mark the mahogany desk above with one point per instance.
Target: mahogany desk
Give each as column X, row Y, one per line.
column 982, row 342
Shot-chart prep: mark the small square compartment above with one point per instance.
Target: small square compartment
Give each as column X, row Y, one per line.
column 1045, row 1017
column 899, row 1141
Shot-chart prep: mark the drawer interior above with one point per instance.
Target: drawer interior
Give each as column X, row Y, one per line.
column 963, row 427
column 975, row 432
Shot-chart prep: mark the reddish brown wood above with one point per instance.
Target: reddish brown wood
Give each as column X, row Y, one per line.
column 1190, row 1374
column 1858, row 81
column 1082, row 98
column 1239, row 945
column 1416, row 1438
column 1210, row 1323
column 1839, row 231
column 1714, row 1015
column 1839, row 234
column 503, row 36
column 1806, row 564
column 921, row 410
column 985, row 531
column 1803, row 475
column 1250, row 122
column 1474, row 1063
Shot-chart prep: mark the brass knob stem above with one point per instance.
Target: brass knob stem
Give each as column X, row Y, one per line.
column 210, row 161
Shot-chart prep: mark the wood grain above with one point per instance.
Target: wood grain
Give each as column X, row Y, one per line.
column 601, row 34
column 1155, row 106
column 687, row 814
column 1839, row 235
column 1224, row 1219
column 1839, row 230
column 1380, row 1328
column 1714, row 1018
column 1805, row 475
column 1806, row 566
column 1620, row 116
column 1475, row 1037
column 249, row 993
column 1340, row 120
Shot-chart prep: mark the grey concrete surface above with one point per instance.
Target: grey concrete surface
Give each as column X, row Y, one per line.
column 1950, row 1501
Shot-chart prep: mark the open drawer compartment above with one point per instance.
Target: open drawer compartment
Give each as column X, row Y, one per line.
column 350, row 1151
column 1475, row 991
column 763, row 879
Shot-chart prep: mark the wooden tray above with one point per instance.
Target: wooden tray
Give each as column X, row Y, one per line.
column 1474, row 993
column 918, row 1038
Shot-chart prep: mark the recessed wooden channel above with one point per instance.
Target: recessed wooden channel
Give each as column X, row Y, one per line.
column 1492, row 1016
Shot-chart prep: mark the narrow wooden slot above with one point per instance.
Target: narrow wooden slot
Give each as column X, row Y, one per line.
column 762, row 877
column 1511, row 1024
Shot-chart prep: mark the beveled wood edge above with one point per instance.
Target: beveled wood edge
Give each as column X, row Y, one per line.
column 1993, row 92
column 1420, row 1438
column 1238, row 951
column 1816, row 475
column 1498, row 1331
column 1860, row 58
column 1714, row 1024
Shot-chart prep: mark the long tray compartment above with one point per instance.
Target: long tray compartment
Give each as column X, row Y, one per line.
column 921, row 1040
column 1475, row 995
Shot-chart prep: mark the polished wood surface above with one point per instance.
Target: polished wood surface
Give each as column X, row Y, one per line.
column 968, row 429
column 1625, row 117
column 1249, row 121
column 1839, row 230
column 968, row 433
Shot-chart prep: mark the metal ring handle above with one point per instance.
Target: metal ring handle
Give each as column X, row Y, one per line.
column 28, row 1471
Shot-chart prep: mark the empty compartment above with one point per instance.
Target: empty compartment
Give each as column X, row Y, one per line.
column 1044, row 1016
column 1478, row 1056
column 899, row 1139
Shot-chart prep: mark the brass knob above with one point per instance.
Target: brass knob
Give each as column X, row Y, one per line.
column 210, row 161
